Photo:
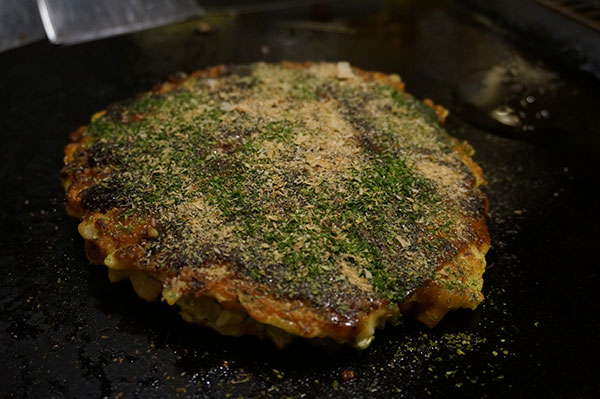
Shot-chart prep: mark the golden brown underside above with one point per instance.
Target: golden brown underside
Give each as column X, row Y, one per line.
column 121, row 252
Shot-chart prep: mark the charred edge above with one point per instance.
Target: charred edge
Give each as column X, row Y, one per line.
column 178, row 252
column 103, row 197
column 66, row 172
column 347, row 302
column 101, row 155
column 114, row 112
column 476, row 205
column 238, row 70
column 440, row 252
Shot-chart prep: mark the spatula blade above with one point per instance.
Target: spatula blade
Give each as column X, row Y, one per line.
column 74, row 21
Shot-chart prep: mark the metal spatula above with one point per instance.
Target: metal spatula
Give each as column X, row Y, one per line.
column 73, row 21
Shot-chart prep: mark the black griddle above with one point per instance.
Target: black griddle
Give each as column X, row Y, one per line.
column 65, row 331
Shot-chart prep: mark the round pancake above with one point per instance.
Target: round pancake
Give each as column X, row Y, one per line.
column 314, row 200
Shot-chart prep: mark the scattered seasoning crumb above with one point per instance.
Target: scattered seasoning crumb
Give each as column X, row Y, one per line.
column 242, row 380
column 428, row 353
column 348, row 375
column 278, row 374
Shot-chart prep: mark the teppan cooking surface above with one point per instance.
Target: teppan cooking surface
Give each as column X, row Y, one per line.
column 67, row 332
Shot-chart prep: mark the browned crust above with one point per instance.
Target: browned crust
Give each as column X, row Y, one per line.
column 428, row 303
